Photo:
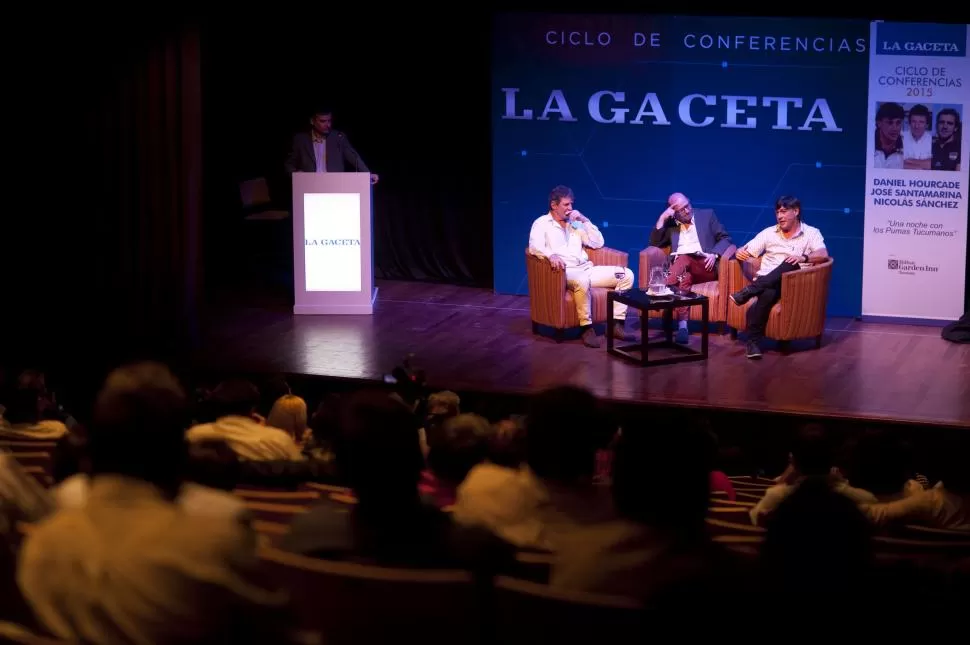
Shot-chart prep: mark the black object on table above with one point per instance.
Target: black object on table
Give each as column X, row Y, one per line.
column 639, row 299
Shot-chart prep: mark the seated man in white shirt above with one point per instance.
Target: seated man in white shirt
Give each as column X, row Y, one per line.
column 917, row 143
column 786, row 247
column 562, row 236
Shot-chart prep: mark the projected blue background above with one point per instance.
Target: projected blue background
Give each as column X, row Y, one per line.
column 622, row 173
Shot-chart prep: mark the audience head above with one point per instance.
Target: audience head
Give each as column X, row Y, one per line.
column 378, row 449
column 234, row 397
column 458, row 445
column 661, row 476
column 139, row 426
column 444, row 404
column 440, row 407
column 817, row 541
column 508, row 443
column 812, row 452
column 564, row 428
column 290, row 415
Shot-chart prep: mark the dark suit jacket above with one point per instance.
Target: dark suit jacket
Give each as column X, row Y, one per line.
column 711, row 233
column 341, row 156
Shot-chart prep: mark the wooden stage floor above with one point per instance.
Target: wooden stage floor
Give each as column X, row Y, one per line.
column 474, row 340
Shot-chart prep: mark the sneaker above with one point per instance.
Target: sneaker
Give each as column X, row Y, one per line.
column 753, row 350
column 590, row 339
column 682, row 337
column 746, row 294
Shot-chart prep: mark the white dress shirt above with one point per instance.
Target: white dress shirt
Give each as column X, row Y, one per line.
column 917, row 149
column 775, row 247
column 548, row 238
column 320, row 154
column 687, row 241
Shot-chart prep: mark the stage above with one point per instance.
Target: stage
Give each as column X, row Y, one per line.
column 474, row 340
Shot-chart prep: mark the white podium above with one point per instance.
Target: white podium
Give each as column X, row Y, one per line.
column 333, row 250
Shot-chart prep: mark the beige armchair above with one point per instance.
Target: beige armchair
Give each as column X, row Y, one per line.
column 717, row 291
column 800, row 313
column 551, row 304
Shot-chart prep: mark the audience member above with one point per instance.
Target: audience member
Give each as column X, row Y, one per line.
column 659, row 543
column 882, row 464
column 456, row 446
column 508, row 443
column 289, row 414
column 440, row 407
column 129, row 565
column 553, row 495
column 378, row 454
column 31, row 411
column 233, row 405
column 811, row 456
column 817, row 561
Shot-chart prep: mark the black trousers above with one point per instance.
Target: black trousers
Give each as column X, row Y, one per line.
column 768, row 289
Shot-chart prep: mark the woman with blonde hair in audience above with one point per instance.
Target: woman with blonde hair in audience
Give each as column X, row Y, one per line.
column 290, row 415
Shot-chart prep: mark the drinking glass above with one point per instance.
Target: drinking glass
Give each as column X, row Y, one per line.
column 657, row 279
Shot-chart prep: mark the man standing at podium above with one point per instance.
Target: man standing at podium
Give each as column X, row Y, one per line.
column 324, row 149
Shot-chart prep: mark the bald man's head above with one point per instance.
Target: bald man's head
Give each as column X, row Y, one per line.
column 677, row 200
column 679, row 203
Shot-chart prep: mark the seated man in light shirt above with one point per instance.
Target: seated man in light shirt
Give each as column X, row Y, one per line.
column 786, row 247
column 562, row 236
column 917, row 143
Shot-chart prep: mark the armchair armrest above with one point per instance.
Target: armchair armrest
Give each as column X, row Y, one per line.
column 724, row 267
column 605, row 256
column 804, row 300
column 741, row 272
column 546, row 289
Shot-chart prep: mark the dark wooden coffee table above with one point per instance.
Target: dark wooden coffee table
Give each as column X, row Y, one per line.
column 639, row 300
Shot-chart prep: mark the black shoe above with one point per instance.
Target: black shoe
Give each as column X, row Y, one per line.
column 590, row 339
column 753, row 350
column 746, row 294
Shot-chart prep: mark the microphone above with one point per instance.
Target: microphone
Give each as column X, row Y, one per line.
column 356, row 156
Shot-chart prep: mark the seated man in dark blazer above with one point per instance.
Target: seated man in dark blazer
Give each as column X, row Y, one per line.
column 696, row 239
column 324, row 149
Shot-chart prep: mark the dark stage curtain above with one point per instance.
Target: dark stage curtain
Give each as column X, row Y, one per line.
column 109, row 210
column 411, row 95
